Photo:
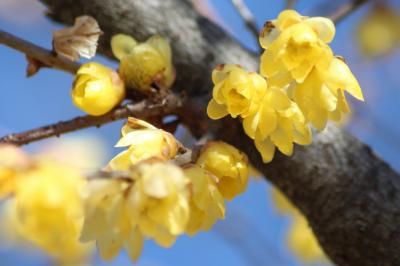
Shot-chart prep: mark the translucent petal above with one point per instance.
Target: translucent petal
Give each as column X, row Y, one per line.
column 287, row 18
column 268, row 67
column 318, row 118
column 266, row 149
column 268, row 122
column 161, row 45
column 139, row 136
column 282, row 137
column 280, row 79
column 122, row 161
column 250, row 124
column 109, row 245
column 134, row 244
column 122, row 45
column 215, row 110
column 301, row 72
column 156, row 187
column 268, row 36
column 326, row 98
column 324, row 27
column 277, row 99
column 340, row 77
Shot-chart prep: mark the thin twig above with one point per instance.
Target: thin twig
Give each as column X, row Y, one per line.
column 47, row 57
column 290, row 4
column 247, row 16
column 144, row 109
column 345, row 10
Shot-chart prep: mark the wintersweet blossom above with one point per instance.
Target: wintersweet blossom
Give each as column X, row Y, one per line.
column 107, row 219
column 294, row 45
column 381, row 21
column 236, row 92
column 207, row 205
column 321, row 96
column 300, row 238
column 158, row 202
column 49, row 211
column 277, row 123
column 97, row 89
column 142, row 64
column 12, row 161
column 303, row 243
column 228, row 164
column 143, row 141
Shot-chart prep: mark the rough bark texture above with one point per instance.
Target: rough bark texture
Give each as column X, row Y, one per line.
column 350, row 197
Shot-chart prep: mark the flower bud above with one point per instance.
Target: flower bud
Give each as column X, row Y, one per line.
column 97, row 89
column 228, row 164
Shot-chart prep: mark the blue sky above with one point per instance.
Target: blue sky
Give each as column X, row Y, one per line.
column 252, row 234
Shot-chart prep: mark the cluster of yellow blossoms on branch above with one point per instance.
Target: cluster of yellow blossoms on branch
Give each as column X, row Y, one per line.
column 161, row 192
column 46, row 209
column 300, row 83
column 97, row 89
column 155, row 189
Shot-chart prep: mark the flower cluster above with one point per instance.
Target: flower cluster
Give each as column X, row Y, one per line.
column 300, row 238
column 301, row 83
column 46, row 209
column 157, row 194
column 97, row 89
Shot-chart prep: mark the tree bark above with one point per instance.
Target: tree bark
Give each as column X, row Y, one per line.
column 350, row 197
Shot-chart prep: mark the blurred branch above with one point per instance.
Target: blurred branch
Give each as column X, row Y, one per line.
column 247, row 16
column 290, row 4
column 345, row 10
column 44, row 56
column 144, row 109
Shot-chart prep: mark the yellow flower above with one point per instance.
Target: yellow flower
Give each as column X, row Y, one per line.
column 144, row 141
column 294, row 45
column 300, row 238
column 206, row 204
column 107, row 219
column 142, row 64
column 49, row 211
column 97, row 89
column 278, row 122
column 12, row 160
column 228, row 164
column 303, row 243
column 382, row 21
column 282, row 203
column 158, row 202
column 236, row 92
column 321, row 95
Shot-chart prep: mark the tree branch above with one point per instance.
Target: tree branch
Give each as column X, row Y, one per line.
column 144, row 109
column 346, row 9
column 247, row 17
column 350, row 197
column 290, row 4
column 45, row 56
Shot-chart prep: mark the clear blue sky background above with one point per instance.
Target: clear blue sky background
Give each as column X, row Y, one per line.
column 252, row 234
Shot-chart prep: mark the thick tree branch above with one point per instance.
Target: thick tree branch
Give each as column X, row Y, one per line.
column 349, row 195
column 45, row 56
